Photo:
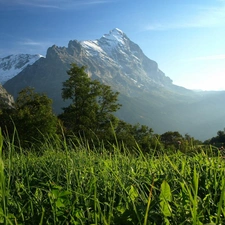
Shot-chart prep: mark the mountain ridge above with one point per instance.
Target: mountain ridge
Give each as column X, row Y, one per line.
column 147, row 94
column 11, row 65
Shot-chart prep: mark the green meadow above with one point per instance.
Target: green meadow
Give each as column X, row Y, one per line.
column 66, row 182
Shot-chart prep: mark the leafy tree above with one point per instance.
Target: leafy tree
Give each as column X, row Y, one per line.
column 90, row 112
column 132, row 135
column 172, row 140
column 32, row 116
column 6, row 121
column 219, row 139
column 78, row 88
column 124, row 135
column 143, row 135
column 221, row 136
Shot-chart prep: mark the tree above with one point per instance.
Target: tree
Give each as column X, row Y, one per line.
column 171, row 139
column 143, row 135
column 92, row 104
column 6, row 122
column 219, row 139
column 32, row 117
column 132, row 135
column 125, row 135
column 221, row 136
column 78, row 88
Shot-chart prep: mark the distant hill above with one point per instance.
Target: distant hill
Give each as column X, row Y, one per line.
column 147, row 94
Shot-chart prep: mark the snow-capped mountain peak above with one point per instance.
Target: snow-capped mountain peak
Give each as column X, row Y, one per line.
column 106, row 46
column 116, row 50
column 11, row 65
column 115, row 35
column 106, row 43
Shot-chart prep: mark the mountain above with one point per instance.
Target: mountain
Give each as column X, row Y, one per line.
column 148, row 96
column 11, row 65
column 114, row 59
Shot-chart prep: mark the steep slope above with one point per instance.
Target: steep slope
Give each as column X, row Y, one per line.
column 147, row 95
column 11, row 65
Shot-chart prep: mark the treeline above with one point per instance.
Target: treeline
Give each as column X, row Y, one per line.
column 89, row 116
column 218, row 140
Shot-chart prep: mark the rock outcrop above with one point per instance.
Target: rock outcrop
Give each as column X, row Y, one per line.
column 6, row 100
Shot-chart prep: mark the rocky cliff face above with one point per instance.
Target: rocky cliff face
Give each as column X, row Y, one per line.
column 6, row 100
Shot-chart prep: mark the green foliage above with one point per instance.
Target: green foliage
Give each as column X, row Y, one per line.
column 219, row 140
column 81, row 186
column 90, row 113
column 173, row 141
column 79, row 115
column 165, row 199
column 171, row 138
column 32, row 118
column 6, row 122
column 132, row 135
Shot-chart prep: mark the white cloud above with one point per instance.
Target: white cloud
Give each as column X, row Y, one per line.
column 31, row 43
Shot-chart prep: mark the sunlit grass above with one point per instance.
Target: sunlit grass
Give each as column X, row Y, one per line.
column 68, row 183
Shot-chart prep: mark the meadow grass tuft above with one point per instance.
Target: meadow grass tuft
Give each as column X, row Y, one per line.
column 69, row 183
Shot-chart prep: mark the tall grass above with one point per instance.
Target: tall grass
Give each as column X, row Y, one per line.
column 68, row 183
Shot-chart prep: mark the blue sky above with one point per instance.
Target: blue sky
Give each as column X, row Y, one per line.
column 185, row 37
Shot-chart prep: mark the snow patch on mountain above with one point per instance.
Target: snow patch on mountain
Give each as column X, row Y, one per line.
column 92, row 48
column 103, row 47
column 114, row 37
column 12, row 65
